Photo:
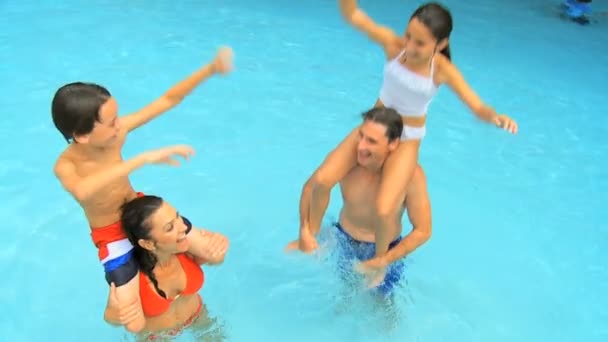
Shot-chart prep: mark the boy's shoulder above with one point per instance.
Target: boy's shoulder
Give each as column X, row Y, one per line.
column 66, row 160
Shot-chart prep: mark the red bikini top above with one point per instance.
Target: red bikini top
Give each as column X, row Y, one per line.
column 153, row 304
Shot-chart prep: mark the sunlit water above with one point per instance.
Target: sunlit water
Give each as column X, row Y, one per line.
column 519, row 236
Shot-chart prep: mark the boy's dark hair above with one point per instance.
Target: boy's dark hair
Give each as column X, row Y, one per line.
column 75, row 108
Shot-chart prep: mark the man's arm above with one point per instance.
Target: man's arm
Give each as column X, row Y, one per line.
column 306, row 241
column 319, row 201
column 305, row 199
column 418, row 207
column 174, row 96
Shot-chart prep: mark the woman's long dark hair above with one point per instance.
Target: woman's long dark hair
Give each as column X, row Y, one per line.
column 134, row 217
column 438, row 19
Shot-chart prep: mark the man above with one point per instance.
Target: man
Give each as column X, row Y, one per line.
column 379, row 136
column 92, row 170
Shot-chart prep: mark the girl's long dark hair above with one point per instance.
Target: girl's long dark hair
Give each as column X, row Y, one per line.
column 438, row 19
column 134, row 219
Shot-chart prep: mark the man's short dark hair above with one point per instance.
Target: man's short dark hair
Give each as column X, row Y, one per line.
column 387, row 117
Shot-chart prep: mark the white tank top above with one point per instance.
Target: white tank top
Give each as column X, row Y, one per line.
column 406, row 92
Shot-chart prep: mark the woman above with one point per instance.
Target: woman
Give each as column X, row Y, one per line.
column 417, row 64
column 170, row 278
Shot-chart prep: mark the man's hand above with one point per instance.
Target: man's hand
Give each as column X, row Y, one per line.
column 307, row 242
column 167, row 155
column 223, row 60
column 117, row 314
column 374, row 271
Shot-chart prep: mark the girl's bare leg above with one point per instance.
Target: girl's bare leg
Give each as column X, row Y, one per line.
column 396, row 175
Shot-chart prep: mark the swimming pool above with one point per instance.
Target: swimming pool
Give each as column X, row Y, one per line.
column 518, row 251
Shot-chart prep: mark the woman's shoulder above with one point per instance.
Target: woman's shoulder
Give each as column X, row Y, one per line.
column 186, row 256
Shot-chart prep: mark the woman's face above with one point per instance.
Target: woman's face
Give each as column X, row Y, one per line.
column 168, row 230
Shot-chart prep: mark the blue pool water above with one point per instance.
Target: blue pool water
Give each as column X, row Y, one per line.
column 518, row 251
